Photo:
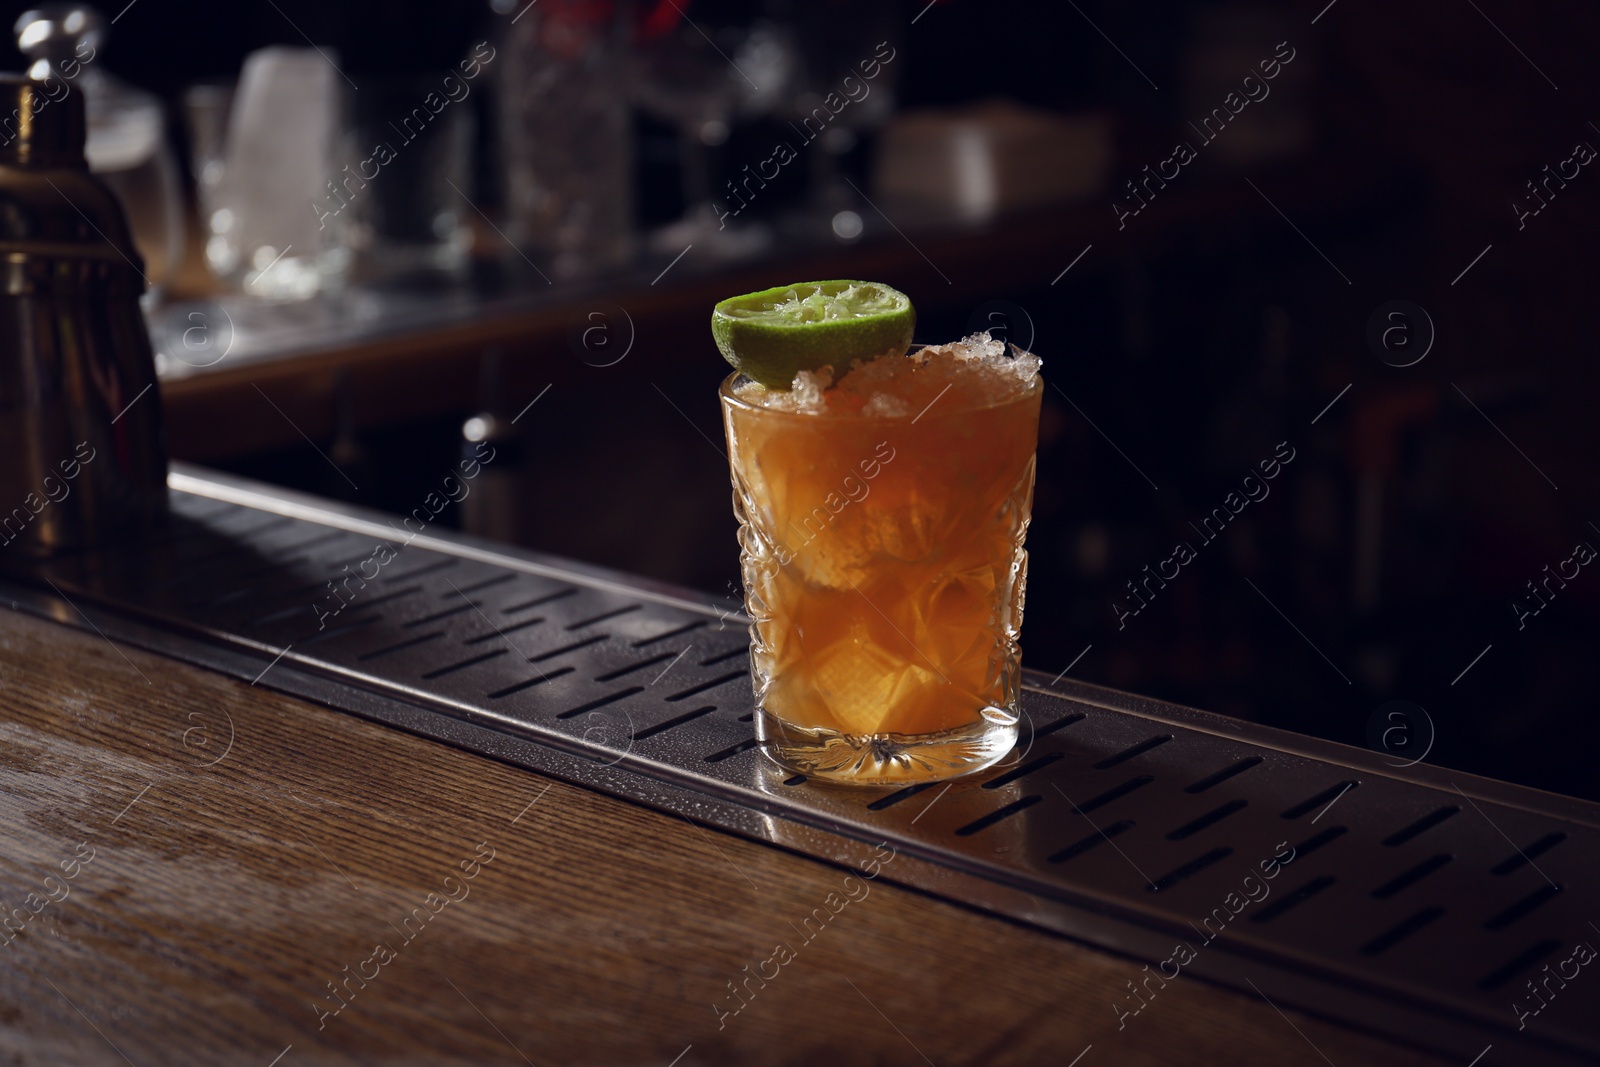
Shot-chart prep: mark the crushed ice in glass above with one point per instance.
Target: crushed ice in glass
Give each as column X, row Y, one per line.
column 978, row 371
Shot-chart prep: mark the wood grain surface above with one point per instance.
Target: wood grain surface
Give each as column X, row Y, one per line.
column 192, row 861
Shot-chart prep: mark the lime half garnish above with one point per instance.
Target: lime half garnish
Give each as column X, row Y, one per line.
column 774, row 334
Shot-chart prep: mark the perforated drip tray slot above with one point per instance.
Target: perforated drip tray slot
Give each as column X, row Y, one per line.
column 1423, row 904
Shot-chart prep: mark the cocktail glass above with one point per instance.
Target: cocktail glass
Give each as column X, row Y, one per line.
column 884, row 572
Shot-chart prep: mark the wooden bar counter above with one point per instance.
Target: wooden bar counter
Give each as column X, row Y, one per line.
column 192, row 866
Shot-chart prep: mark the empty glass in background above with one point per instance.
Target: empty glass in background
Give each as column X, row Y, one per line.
column 266, row 155
column 127, row 145
column 408, row 178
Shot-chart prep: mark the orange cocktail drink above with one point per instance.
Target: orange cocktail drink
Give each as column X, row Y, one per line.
column 882, row 519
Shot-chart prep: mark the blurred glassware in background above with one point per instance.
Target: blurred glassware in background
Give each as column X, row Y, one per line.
column 701, row 77
column 972, row 163
column 205, row 113
column 127, row 145
column 566, row 135
column 410, row 143
column 839, row 101
column 275, row 197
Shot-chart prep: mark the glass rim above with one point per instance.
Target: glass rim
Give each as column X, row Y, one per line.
column 725, row 391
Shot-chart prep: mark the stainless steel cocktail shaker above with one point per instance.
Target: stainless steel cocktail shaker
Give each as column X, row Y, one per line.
column 82, row 454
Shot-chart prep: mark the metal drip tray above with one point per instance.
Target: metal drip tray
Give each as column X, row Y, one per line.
column 1419, row 903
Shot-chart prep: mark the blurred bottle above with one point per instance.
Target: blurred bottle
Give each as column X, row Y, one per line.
column 127, row 146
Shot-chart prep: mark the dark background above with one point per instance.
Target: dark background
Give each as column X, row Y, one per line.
column 1389, row 552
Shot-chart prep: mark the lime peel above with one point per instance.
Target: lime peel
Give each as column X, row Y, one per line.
column 774, row 334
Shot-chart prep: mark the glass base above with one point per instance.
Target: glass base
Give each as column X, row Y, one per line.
column 887, row 759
